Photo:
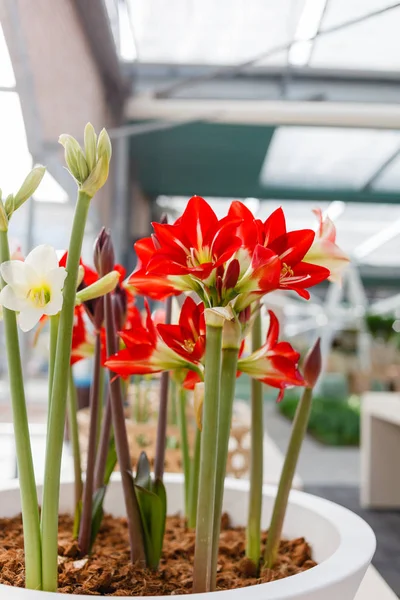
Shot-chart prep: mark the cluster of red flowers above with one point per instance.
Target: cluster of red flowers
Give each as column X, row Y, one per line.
column 232, row 262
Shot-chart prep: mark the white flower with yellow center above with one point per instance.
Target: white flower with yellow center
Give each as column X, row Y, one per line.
column 34, row 287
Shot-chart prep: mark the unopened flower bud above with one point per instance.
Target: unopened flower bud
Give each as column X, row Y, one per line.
column 232, row 274
column 9, row 205
column 3, row 217
column 245, row 314
column 313, row 364
column 104, row 145
column 97, row 177
column 82, row 167
column 120, row 307
column 99, row 288
column 90, row 143
column 29, row 186
column 218, row 286
column 103, row 253
column 72, row 151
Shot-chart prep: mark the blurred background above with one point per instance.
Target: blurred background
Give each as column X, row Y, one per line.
column 292, row 103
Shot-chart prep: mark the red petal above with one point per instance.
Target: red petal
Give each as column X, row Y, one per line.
column 156, row 287
column 293, row 246
column 248, row 229
column 273, row 330
column 191, row 379
column 123, row 364
column 144, row 249
column 197, row 221
column 274, row 227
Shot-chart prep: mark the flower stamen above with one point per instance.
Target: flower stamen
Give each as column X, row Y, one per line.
column 39, row 296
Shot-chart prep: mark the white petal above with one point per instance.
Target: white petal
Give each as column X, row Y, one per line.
column 18, row 274
column 29, row 317
column 42, row 259
column 56, row 277
column 10, row 300
column 54, row 306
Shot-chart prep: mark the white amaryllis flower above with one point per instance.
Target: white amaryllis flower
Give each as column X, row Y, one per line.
column 34, row 287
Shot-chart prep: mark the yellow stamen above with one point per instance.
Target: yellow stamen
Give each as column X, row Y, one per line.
column 189, row 345
column 39, row 296
column 287, row 271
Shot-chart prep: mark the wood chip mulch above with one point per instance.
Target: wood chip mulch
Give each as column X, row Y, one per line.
column 108, row 571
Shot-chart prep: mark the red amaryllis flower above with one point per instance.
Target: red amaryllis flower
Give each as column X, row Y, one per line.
column 188, row 338
column 146, row 352
column 186, row 253
column 275, row 363
column 289, row 247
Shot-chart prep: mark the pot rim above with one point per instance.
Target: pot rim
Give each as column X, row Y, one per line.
column 356, row 547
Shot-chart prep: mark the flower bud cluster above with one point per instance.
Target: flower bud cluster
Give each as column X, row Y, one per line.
column 88, row 165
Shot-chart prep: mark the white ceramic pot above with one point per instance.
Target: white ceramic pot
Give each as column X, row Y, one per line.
column 342, row 543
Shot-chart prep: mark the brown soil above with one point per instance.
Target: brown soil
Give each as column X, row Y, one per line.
column 108, row 571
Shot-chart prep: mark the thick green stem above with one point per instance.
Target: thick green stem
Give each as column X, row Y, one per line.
column 76, row 451
column 29, row 501
column 54, row 322
column 289, row 468
column 253, row 534
column 203, row 568
column 55, row 434
column 228, row 385
column 181, row 401
column 194, row 481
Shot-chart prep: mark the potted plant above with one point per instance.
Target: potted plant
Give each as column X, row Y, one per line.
column 223, row 268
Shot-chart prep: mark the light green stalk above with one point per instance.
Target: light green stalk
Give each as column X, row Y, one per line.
column 181, row 402
column 51, row 487
column 76, row 451
column 253, row 533
column 230, row 354
column 194, row 481
column 29, row 501
column 289, row 468
column 203, row 567
column 54, row 322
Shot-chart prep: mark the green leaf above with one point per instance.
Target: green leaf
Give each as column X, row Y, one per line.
column 97, row 513
column 111, row 460
column 153, row 511
column 143, row 476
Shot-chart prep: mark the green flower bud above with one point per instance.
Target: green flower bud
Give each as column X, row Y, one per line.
column 82, row 167
column 3, row 217
column 72, row 151
column 97, row 177
column 104, row 145
column 9, row 205
column 29, row 186
column 90, row 143
column 89, row 167
column 101, row 287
